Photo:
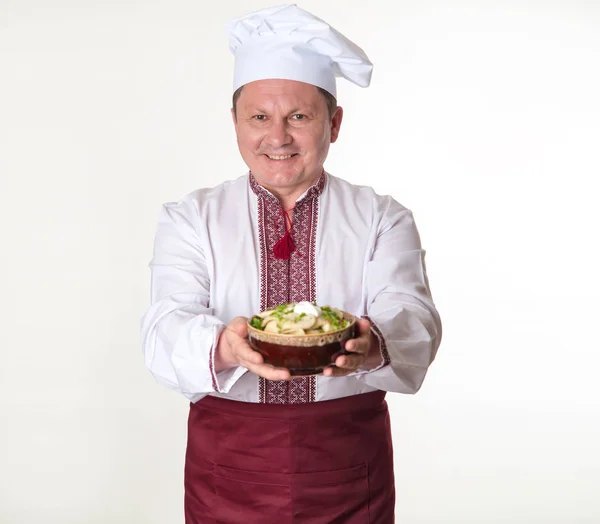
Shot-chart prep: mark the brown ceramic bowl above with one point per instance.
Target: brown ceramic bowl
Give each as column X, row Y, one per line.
column 302, row 354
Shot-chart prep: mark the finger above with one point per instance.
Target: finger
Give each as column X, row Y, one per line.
column 250, row 359
column 358, row 345
column 253, row 361
column 333, row 371
column 364, row 326
column 344, row 364
column 363, row 336
column 350, row 362
column 269, row 372
column 239, row 326
column 244, row 353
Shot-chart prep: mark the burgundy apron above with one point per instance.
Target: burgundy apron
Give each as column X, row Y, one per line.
column 327, row 462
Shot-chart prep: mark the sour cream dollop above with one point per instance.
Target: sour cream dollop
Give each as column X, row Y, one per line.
column 307, row 308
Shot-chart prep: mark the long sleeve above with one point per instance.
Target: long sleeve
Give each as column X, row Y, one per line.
column 399, row 303
column 179, row 331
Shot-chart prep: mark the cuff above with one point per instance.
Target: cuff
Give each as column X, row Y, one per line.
column 383, row 351
column 224, row 380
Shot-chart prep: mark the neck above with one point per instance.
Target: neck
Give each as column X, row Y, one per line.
column 288, row 196
column 288, row 202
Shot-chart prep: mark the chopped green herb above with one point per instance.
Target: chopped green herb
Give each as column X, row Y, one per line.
column 333, row 318
column 285, row 312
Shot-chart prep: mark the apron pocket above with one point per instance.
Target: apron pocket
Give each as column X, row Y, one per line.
column 332, row 497
column 250, row 497
column 324, row 497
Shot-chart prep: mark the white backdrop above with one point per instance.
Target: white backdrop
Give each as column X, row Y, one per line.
column 483, row 118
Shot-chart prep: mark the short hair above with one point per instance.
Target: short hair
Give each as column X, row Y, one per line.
column 329, row 100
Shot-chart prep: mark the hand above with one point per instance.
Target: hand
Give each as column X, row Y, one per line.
column 364, row 348
column 233, row 350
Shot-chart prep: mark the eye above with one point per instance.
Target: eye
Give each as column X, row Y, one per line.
column 259, row 117
column 298, row 116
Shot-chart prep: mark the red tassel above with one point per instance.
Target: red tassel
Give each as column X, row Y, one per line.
column 284, row 247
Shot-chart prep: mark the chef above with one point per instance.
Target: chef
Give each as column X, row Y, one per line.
column 264, row 447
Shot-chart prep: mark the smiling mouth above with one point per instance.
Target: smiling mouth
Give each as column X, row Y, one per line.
column 281, row 157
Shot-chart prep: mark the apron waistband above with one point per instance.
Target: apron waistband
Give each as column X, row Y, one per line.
column 350, row 404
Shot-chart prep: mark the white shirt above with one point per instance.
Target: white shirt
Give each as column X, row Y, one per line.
column 213, row 261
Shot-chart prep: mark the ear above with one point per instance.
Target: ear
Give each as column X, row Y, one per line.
column 336, row 123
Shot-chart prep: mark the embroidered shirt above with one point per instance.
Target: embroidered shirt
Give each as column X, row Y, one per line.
column 355, row 250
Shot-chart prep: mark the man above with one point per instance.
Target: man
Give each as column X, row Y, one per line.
column 263, row 447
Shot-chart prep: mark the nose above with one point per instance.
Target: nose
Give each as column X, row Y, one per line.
column 278, row 134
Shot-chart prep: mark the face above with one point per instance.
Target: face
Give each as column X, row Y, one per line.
column 283, row 132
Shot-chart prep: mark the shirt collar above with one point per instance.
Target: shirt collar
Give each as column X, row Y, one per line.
column 312, row 192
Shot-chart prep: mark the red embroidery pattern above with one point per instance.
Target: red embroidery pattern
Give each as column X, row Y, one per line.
column 382, row 345
column 211, row 359
column 263, row 252
column 290, row 280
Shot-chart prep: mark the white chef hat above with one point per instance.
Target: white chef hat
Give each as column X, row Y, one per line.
column 289, row 43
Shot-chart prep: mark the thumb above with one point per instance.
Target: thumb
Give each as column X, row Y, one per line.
column 239, row 326
column 364, row 326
